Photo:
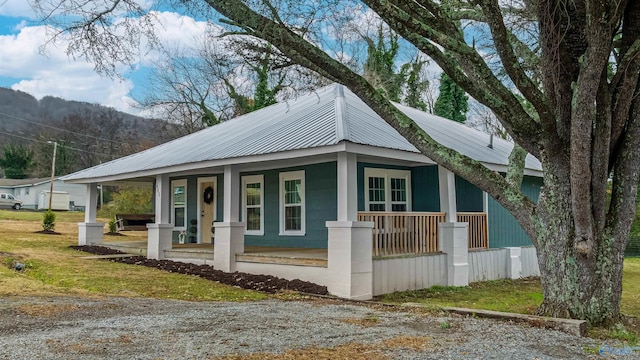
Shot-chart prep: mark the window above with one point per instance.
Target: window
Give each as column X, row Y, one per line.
column 253, row 204
column 292, row 207
column 179, row 204
column 26, row 191
column 387, row 190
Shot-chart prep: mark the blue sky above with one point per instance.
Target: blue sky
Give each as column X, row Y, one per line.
column 23, row 66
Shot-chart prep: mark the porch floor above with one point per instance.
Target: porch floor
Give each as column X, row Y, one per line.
column 256, row 254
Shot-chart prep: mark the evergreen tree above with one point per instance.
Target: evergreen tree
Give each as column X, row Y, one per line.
column 17, row 161
column 379, row 68
column 452, row 101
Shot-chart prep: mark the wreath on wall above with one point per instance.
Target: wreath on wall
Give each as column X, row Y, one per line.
column 208, row 195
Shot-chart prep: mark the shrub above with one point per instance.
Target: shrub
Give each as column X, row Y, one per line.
column 48, row 221
column 112, row 226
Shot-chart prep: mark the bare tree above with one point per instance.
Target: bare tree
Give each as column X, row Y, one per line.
column 579, row 112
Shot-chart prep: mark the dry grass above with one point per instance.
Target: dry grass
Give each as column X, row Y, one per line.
column 355, row 351
column 54, row 269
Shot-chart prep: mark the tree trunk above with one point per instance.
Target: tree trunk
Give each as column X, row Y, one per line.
column 575, row 285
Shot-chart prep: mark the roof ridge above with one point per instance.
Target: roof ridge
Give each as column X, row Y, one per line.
column 342, row 126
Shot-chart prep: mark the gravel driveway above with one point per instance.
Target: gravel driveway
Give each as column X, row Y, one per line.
column 125, row 328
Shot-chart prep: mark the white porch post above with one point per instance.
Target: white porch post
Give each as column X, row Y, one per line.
column 159, row 236
column 454, row 241
column 229, row 237
column 453, row 236
column 514, row 262
column 347, row 187
column 349, row 247
column 90, row 231
column 447, row 187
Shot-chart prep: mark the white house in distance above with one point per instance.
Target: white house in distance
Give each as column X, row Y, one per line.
column 331, row 194
column 35, row 192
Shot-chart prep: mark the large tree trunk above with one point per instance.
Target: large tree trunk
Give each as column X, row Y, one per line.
column 577, row 284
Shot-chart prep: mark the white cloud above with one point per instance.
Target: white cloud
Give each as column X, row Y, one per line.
column 57, row 74
column 17, row 8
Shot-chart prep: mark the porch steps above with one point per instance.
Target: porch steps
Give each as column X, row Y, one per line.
column 280, row 260
column 134, row 249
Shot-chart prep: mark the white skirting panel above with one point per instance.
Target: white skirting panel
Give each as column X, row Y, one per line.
column 529, row 262
column 408, row 273
column 487, row 265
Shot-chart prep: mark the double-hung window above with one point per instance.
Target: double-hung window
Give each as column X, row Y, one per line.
column 253, row 204
column 292, row 203
column 387, row 190
column 179, row 204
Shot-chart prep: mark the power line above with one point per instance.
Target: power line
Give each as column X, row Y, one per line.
column 12, row 117
column 62, row 145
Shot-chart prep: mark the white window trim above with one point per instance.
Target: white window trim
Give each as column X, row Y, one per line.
column 387, row 174
column 252, row 179
column 174, row 184
column 293, row 175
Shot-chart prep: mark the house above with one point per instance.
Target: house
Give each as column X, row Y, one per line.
column 326, row 175
column 35, row 192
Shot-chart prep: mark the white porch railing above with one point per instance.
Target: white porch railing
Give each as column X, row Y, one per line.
column 396, row 233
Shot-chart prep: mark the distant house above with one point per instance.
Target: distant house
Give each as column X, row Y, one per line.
column 35, row 192
column 325, row 176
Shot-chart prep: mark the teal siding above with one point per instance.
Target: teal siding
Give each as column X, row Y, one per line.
column 425, row 189
column 424, row 186
column 504, row 230
column 468, row 196
column 321, row 195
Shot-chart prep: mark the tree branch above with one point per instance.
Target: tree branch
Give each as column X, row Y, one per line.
column 304, row 53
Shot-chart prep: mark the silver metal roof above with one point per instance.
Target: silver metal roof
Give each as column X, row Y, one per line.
column 326, row 117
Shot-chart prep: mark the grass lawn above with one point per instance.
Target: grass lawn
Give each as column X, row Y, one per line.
column 54, row 269
column 519, row 296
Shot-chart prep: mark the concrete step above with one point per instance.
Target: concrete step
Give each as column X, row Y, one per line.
column 282, row 260
column 204, row 254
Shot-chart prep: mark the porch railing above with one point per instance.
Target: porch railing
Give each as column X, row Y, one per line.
column 404, row 233
column 396, row 233
column 478, row 230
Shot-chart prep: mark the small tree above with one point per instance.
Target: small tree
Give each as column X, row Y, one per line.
column 48, row 221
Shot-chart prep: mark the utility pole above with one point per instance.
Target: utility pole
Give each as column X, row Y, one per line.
column 53, row 170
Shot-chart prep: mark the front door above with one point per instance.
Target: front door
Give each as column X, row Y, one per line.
column 207, row 210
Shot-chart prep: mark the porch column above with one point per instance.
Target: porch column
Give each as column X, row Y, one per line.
column 347, row 187
column 447, row 186
column 160, row 233
column 514, row 262
column 90, row 231
column 350, row 261
column 454, row 241
column 229, row 238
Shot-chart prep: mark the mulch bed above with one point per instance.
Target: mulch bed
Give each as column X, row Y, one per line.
column 48, row 232
column 264, row 283
column 114, row 234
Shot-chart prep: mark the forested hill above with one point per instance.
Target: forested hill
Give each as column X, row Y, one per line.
column 87, row 134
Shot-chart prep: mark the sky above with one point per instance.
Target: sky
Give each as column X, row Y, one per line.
column 24, row 67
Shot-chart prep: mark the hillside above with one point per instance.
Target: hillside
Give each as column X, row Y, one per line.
column 87, row 134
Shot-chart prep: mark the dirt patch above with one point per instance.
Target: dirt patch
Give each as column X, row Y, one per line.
column 347, row 351
column 46, row 310
column 114, row 234
column 264, row 283
column 48, row 232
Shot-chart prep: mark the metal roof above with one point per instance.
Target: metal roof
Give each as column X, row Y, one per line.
column 325, row 117
column 23, row 182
